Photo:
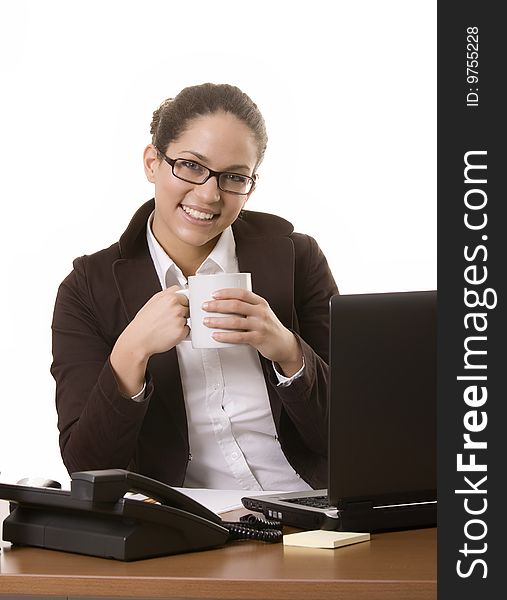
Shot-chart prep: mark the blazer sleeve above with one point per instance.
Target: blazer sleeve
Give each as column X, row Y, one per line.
column 98, row 425
column 304, row 401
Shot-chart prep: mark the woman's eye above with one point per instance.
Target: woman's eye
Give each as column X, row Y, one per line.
column 191, row 165
column 235, row 178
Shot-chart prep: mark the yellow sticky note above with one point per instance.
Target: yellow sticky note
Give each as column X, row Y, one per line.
column 324, row 539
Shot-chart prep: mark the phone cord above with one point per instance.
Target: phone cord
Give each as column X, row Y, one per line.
column 251, row 527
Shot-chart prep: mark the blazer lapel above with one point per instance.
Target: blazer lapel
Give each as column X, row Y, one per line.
column 271, row 263
column 137, row 281
column 134, row 273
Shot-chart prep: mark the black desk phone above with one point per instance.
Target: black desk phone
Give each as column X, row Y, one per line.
column 95, row 518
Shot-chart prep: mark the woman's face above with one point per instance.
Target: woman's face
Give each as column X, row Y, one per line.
column 189, row 216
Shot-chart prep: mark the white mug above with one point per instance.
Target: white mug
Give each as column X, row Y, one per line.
column 200, row 290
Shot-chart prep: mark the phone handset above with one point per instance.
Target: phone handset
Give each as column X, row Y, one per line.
column 112, row 484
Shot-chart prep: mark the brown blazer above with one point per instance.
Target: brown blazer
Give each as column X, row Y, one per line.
column 101, row 429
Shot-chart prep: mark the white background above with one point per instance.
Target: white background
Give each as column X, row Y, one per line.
column 348, row 84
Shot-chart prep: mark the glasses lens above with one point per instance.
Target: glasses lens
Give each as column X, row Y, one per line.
column 238, row 184
column 190, row 170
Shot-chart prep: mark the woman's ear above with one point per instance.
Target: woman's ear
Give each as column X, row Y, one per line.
column 151, row 162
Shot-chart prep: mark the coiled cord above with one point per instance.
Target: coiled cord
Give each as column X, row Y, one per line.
column 258, row 523
column 251, row 527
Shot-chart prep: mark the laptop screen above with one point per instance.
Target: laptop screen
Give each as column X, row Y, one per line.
column 382, row 398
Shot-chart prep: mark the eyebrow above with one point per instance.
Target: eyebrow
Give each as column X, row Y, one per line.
column 204, row 159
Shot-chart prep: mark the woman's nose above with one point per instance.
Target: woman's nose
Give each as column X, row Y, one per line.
column 209, row 191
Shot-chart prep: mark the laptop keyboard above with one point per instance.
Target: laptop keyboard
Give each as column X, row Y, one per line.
column 313, row 501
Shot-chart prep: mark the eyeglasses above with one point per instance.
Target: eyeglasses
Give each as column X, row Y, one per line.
column 193, row 172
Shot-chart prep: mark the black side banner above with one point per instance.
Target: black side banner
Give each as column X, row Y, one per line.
column 472, row 253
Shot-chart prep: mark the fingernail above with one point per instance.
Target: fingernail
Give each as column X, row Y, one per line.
column 205, row 306
column 216, row 294
column 206, row 320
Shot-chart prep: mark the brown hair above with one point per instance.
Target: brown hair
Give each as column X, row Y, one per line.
column 172, row 117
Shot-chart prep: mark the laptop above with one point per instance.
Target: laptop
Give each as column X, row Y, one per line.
column 382, row 420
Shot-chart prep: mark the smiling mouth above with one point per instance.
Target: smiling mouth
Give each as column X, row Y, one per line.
column 197, row 214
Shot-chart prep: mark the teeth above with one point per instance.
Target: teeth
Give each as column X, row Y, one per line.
column 197, row 214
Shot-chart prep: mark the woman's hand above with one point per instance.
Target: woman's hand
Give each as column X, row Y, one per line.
column 157, row 327
column 161, row 323
column 254, row 323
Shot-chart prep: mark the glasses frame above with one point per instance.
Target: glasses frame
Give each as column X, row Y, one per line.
column 172, row 162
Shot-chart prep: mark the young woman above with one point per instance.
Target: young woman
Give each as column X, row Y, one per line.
column 129, row 394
